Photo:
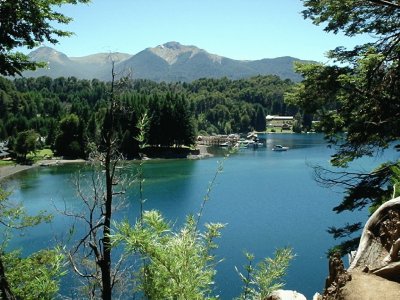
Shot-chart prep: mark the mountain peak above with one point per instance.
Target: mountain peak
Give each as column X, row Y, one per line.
column 45, row 53
column 172, row 45
column 171, row 61
column 171, row 51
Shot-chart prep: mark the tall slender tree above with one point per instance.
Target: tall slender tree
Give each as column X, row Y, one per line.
column 95, row 244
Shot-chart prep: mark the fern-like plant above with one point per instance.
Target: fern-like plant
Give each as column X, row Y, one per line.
column 179, row 264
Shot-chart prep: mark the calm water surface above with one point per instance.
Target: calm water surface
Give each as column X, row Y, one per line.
column 267, row 199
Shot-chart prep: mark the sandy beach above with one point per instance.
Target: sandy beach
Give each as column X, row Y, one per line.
column 6, row 171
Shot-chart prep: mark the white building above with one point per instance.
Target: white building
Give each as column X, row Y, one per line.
column 283, row 122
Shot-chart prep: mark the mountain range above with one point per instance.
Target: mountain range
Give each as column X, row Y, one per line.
column 168, row 62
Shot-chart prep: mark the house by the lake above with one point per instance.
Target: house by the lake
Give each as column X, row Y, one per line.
column 3, row 150
column 281, row 122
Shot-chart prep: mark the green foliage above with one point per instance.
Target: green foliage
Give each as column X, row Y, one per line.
column 180, row 264
column 395, row 180
column 44, row 154
column 362, row 97
column 297, row 124
column 6, row 163
column 260, row 121
column 260, row 281
column 177, row 265
column 373, row 17
column 171, row 122
column 12, row 215
column 344, row 247
column 37, row 276
column 69, row 141
column 142, row 126
column 175, row 110
column 225, row 106
column 369, row 189
column 359, row 96
column 26, row 23
column 25, row 142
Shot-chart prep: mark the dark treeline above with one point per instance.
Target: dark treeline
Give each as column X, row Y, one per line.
column 226, row 106
column 68, row 113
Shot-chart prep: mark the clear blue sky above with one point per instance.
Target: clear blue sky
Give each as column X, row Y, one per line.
column 238, row 29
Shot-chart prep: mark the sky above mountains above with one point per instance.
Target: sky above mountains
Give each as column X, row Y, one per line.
column 238, row 29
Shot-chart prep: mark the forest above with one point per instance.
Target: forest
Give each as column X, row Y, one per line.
column 357, row 93
column 78, row 118
column 68, row 114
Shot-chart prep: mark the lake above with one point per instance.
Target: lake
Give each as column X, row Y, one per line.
column 267, row 199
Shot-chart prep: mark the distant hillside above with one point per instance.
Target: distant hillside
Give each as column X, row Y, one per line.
column 86, row 67
column 168, row 62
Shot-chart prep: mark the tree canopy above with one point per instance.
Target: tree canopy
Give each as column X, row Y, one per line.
column 27, row 23
column 358, row 94
column 176, row 110
column 361, row 97
column 26, row 142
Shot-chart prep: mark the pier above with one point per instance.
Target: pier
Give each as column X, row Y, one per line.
column 218, row 140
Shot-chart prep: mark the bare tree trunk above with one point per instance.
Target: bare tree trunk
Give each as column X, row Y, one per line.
column 106, row 262
column 109, row 172
column 96, row 243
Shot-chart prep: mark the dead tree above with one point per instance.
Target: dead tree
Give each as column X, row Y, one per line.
column 91, row 257
column 378, row 251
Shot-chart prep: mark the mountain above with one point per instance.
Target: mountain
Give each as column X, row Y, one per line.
column 86, row 67
column 168, row 62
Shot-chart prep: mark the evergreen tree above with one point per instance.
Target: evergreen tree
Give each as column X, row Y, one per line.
column 69, row 141
column 260, row 121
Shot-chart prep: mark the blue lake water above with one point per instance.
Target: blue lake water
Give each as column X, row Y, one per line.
column 267, row 199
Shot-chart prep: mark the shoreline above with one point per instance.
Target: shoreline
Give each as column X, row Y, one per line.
column 203, row 153
column 7, row 171
column 10, row 170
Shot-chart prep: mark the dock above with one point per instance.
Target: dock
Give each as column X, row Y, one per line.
column 218, row 140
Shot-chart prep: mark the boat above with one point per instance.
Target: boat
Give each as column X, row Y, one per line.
column 225, row 145
column 245, row 143
column 249, row 143
column 280, row 148
column 252, row 136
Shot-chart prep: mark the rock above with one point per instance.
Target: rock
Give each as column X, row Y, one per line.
column 380, row 242
column 374, row 271
column 317, row 296
column 286, row 295
column 378, row 252
column 338, row 277
column 365, row 286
